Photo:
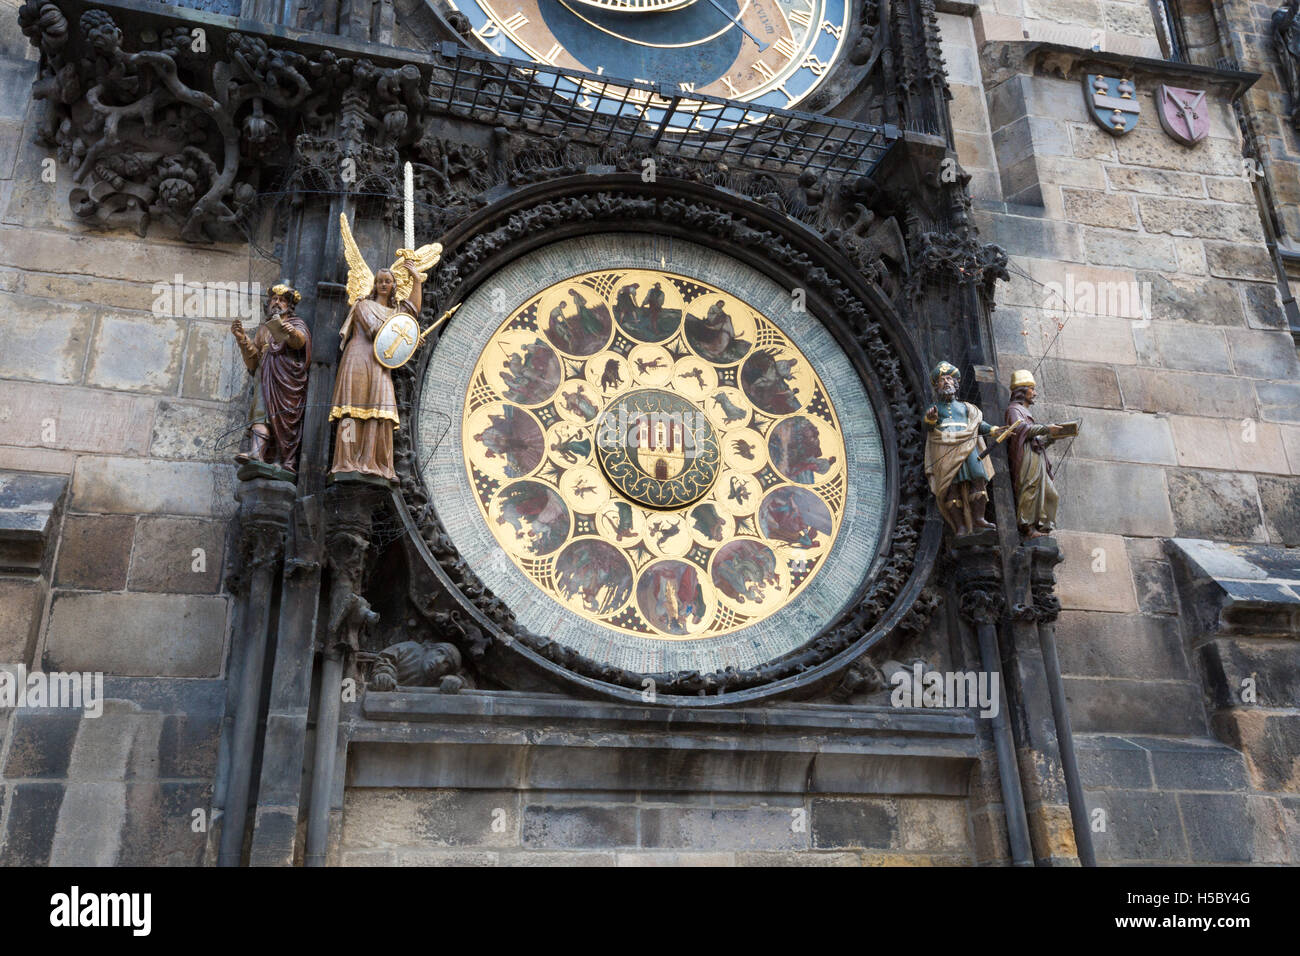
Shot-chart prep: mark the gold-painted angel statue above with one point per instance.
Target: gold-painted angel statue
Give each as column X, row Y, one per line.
column 385, row 309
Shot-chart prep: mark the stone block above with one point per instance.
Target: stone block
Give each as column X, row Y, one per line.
column 1095, row 644
column 1268, row 669
column 32, row 821
column 1120, row 706
column 1112, row 763
column 36, row 459
column 1095, row 208
column 1186, row 393
column 196, row 432
column 1139, row 826
column 164, row 557
column 1087, row 384
column 41, row 743
column 158, row 827
column 1148, row 146
column 1270, row 742
column 556, row 858
column 1201, row 220
column 958, row 48
column 1291, row 444
column 1115, row 498
column 1281, row 500
column 967, row 107
column 62, row 329
column 144, row 486
column 1191, row 299
column 1179, row 345
column 1191, row 256
column 1158, row 182
column 160, row 635
column 78, row 419
column 1068, row 171
column 1263, row 307
column 1219, row 827
column 1195, row 765
column 1232, row 189
column 1006, row 101
column 1114, row 248
column 934, row 826
column 1216, row 505
column 1133, row 20
column 1232, row 260
column 1279, row 401
column 803, row 858
column 1039, row 238
column 131, row 296
column 94, row 552
column 698, row 828
column 379, row 819
column 870, row 823
column 22, row 602
column 91, row 821
column 574, row 827
column 1100, row 338
column 213, row 369
column 139, row 353
column 123, row 256
column 1095, row 574
column 1260, row 354
column 1089, row 142
column 1154, row 582
column 1125, row 436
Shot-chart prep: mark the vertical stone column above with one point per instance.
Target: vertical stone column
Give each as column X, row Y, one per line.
column 347, row 544
column 264, row 508
column 978, row 573
column 1047, row 608
column 1030, row 694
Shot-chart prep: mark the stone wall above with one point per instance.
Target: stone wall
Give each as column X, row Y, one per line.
column 1145, row 300
column 513, row 828
column 130, row 407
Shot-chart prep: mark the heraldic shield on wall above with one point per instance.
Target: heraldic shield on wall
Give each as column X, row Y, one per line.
column 1112, row 102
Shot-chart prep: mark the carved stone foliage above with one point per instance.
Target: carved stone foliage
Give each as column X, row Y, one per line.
column 163, row 124
column 622, row 208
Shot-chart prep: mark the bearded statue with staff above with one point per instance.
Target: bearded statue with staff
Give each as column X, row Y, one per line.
column 380, row 334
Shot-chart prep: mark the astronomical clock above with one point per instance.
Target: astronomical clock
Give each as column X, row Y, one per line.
column 655, row 454
column 771, row 53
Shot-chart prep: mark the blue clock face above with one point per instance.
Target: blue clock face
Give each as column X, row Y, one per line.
column 769, row 52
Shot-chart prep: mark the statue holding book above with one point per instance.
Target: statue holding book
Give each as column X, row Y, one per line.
column 278, row 357
column 1031, row 472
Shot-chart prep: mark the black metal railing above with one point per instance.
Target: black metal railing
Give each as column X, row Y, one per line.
column 637, row 114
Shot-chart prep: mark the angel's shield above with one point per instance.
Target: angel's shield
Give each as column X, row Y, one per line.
column 396, row 341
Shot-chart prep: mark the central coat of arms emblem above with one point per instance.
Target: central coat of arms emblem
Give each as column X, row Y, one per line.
column 658, row 449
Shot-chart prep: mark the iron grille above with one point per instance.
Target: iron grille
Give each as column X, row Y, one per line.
column 636, row 114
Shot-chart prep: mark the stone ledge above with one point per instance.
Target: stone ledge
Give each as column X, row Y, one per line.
column 501, row 740
column 1237, row 589
column 29, row 508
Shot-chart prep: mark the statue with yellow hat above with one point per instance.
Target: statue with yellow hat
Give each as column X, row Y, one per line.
column 1031, row 472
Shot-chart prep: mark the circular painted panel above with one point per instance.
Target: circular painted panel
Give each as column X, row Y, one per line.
column 652, row 454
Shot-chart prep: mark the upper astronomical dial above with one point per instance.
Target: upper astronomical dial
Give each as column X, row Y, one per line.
column 769, row 52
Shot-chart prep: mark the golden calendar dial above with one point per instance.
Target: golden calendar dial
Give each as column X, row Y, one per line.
column 648, row 461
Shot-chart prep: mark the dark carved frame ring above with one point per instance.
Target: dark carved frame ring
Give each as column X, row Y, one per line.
column 855, row 311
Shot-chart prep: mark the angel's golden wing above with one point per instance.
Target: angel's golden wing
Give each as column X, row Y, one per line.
column 360, row 279
column 425, row 258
